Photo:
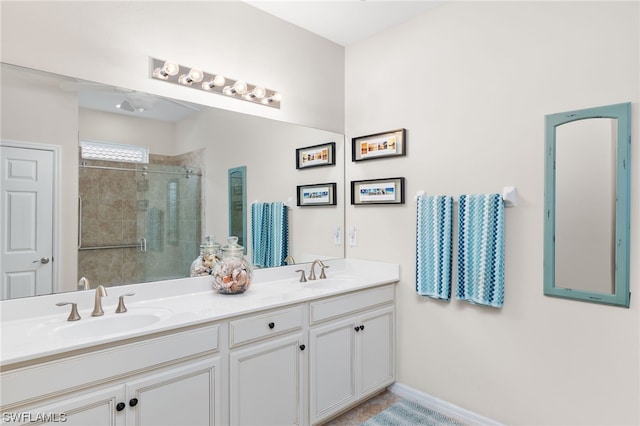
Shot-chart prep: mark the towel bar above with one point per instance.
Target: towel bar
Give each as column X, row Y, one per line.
column 509, row 196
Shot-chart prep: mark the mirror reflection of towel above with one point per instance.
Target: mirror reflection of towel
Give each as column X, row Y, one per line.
column 269, row 234
column 481, row 249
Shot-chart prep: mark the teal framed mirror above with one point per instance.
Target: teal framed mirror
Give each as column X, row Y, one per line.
column 238, row 204
column 587, row 208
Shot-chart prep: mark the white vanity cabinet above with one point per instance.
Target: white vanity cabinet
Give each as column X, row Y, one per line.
column 267, row 366
column 281, row 354
column 352, row 349
column 178, row 396
column 172, row 379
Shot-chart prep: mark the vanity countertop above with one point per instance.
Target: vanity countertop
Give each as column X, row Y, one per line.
column 31, row 327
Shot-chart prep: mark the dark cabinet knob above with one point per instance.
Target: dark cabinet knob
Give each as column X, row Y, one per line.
column 133, row 402
column 271, row 325
column 361, row 327
column 120, row 406
column 302, row 347
column 356, row 328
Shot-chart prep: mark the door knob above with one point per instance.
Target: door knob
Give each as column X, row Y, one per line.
column 43, row 260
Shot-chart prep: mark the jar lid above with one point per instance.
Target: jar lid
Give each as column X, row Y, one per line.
column 209, row 242
column 233, row 248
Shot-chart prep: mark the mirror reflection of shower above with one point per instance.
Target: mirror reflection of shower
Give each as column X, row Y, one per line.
column 138, row 222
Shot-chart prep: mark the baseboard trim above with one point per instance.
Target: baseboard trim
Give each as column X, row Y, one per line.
column 441, row 406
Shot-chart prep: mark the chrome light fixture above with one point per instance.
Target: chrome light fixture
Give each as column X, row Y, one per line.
column 214, row 83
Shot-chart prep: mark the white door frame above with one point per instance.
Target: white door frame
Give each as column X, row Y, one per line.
column 56, row 150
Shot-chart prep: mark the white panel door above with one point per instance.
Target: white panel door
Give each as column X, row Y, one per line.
column 26, row 217
column 87, row 408
column 180, row 396
column 266, row 383
column 332, row 367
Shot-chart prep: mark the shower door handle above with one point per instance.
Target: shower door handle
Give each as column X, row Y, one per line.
column 143, row 244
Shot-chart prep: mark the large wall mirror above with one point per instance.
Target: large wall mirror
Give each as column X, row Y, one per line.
column 587, row 178
column 153, row 216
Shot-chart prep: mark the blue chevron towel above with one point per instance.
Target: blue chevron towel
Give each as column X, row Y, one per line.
column 481, row 249
column 269, row 234
column 434, row 225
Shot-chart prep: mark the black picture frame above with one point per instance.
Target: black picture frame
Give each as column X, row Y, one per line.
column 316, row 156
column 379, row 145
column 319, row 194
column 378, row 191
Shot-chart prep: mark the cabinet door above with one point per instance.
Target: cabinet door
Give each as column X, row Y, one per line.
column 376, row 361
column 332, row 367
column 178, row 396
column 267, row 383
column 96, row 408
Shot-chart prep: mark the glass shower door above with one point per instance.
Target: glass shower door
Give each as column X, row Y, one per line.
column 169, row 222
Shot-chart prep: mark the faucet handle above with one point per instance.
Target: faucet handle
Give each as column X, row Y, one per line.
column 303, row 279
column 74, row 315
column 322, row 274
column 121, row 308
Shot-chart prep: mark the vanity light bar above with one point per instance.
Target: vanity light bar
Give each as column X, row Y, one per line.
column 213, row 83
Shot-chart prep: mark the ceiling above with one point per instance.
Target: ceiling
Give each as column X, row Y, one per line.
column 345, row 21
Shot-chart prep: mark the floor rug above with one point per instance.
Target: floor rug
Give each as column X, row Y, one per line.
column 408, row 413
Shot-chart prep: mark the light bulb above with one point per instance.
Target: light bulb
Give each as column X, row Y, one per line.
column 259, row 92
column 256, row 93
column 228, row 90
column 276, row 97
column 240, row 87
column 171, row 68
column 168, row 69
column 216, row 81
column 194, row 76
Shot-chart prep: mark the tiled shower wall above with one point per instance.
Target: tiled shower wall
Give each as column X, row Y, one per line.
column 120, row 207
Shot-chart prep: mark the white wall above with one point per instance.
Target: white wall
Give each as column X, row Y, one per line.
column 158, row 136
column 111, row 42
column 51, row 118
column 472, row 83
column 267, row 148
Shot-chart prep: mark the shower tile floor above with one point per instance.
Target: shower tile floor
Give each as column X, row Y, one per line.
column 363, row 412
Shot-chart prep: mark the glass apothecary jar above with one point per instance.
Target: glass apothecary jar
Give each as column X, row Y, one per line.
column 209, row 256
column 232, row 274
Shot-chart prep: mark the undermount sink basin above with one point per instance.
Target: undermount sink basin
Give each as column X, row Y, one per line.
column 108, row 324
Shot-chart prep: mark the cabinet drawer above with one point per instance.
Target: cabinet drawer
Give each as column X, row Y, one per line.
column 75, row 371
column 336, row 306
column 265, row 325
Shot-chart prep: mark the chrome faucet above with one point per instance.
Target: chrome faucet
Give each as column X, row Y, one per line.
column 97, row 309
column 312, row 272
column 289, row 260
column 83, row 284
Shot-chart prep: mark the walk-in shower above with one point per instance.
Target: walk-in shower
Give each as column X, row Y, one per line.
column 138, row 223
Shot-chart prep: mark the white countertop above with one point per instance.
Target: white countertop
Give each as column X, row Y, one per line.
column 30, row 327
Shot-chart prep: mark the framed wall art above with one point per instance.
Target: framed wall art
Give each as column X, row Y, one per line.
column 378, row 191
column 316, row 156
column 379, row 145
column 321, row 194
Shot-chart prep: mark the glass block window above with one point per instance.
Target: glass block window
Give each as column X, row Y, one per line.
column 91, row 150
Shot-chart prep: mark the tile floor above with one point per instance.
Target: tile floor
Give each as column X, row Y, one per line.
column 363, row 412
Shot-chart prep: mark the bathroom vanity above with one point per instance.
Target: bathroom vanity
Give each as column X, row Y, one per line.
column 284, row 352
